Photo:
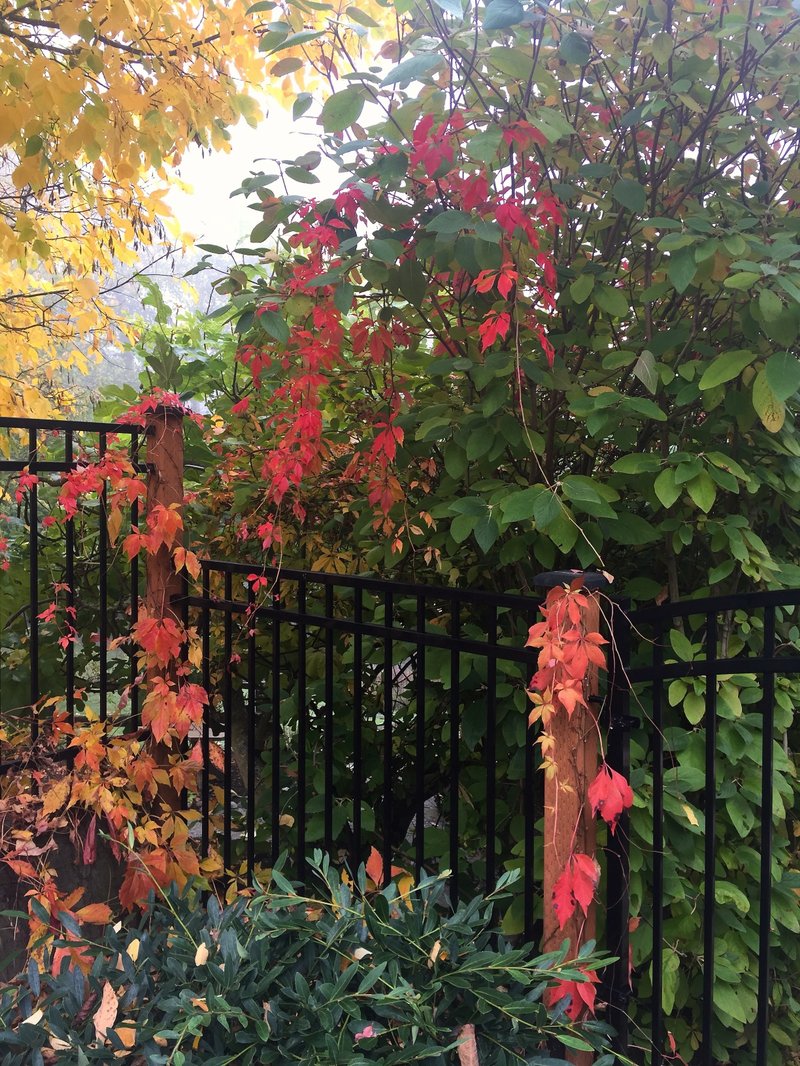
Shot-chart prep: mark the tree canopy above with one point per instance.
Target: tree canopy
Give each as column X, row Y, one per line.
column 551, row 313
column 99, row 101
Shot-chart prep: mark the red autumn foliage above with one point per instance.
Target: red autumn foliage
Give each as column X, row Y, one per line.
column 582, row 995
column 610, row 795
column 575, row 887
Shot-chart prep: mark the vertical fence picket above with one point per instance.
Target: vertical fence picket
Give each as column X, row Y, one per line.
column 328, row 722
column 102, row 586
column 765, row 873
column 33, row 576
column 69, row 578
column 388, row 694
column 419, row 756
column 275, row 790
column 709, row 878
column 227, row 705
column 205, row 793
column 133, row 721
column 302, row 730
column 358, row 712
column 455, row 738
column 657, row 1026
column 617, row 866
column 252, row 711
column 491, row 752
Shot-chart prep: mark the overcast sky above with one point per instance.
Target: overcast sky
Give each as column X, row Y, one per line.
column 208, row 213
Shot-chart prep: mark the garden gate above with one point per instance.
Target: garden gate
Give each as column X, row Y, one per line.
column 351, row 712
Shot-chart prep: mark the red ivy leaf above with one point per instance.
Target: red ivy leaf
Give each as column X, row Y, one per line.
column 581, row 993
column 610, row 795
column 575, row 886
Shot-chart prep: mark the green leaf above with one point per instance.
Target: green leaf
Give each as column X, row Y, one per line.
column 681, row 268
column 727, row 999
column 770, row 305
column 546, row 509
column 294, row 39
column 681, row 646
column 485, row 145
column 301, row 105
column 274, row 325
column 783, row 374
column 461, row 527
column 553, row 124
column 301, row 175
column 413, row 69
column 665, row 487
column 361, row 18
column 612, row 300
column 769, row 407
column 662, row 48
column 343, row 297
column 669, row 980
column 286, row 66
column 725, row 368
column 645, row 370
column 388, row 251
column 450, row 222
column 581, row 287
column 703, row 491
column 630, row 194
column 519, row 506
column 342, row 109
column 486, row 533
column 502, row 14
column 574, row 48
column 745, row 279
column 451, row 7
column 637, row 463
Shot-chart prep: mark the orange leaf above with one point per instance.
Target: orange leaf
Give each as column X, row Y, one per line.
column 94, row 913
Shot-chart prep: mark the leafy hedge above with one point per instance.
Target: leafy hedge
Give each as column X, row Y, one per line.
column 347, row 978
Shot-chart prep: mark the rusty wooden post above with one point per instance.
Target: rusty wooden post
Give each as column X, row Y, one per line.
column 164, row 435
column 164, row 431
column 569, row 825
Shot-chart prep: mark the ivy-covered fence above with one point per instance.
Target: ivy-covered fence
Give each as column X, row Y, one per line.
column 353, row 713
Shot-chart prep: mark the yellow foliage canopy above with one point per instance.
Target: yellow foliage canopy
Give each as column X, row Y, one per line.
column 99, row 100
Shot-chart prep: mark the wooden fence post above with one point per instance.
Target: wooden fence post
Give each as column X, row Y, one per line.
column 164, row 435
column 569, row 825
column 164, row 432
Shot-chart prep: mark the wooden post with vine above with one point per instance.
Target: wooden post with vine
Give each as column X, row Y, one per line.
column 569, row 823
column 165, row 466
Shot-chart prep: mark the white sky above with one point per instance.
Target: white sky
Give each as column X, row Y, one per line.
column 208, row 213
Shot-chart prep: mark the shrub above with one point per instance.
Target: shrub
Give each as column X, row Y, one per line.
column 351, row 977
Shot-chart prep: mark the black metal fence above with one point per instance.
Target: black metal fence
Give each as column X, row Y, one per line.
column 702, row 685
column 99, row 597
column 352, row 713
column 358, row 713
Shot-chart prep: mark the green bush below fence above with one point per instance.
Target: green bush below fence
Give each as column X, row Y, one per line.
column 345, row 978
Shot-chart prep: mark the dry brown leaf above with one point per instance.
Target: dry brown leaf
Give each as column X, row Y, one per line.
column 106, row 1014
column 468, row 1048
column 56, row 796
column 133, row 949
column 201, row 955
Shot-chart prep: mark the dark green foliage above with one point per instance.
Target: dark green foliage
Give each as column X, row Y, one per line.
column 292, row 979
